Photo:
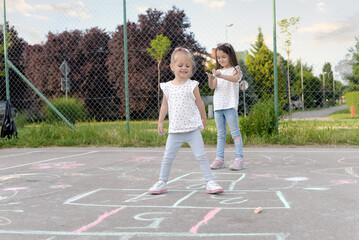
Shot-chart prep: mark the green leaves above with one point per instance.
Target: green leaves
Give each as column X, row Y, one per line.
column 159, row 47
column 287, row 28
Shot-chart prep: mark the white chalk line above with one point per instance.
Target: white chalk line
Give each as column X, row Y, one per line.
column 49, row 160
column 146, row 234
column 18, row 154
column 73, row 200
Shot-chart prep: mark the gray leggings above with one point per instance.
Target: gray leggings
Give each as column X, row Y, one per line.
column 174, row 143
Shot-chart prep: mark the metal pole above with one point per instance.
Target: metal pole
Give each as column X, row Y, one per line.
column 301, row 74
column 126, row 67
column 244, row 101
column 324, row 89
column 66, row 80
column 275, row 68
column 334, row 90
column 6, row 56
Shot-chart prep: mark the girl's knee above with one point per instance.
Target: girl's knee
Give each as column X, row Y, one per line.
column 237, row 139
column 202, row 157
column 221, row 135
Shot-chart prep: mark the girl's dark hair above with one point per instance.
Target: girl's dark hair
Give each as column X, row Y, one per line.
column 228, row 49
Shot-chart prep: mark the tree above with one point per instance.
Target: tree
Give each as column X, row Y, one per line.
column 94, row 87
column 2, row 52
column 349, row 67
column 18, row 88
column 311, row 91
column 159, row 48
column 260, row 69
column 354, row 51
column 328, row 83
column 288, row 27
column 143, row 69
column 247, row 95
column 42, row 62
column 86, row 53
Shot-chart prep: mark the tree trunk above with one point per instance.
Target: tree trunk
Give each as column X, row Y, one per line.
column 289, row 95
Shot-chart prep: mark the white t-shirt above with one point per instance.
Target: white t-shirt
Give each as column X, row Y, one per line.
column 183, row 112
column 226, row 93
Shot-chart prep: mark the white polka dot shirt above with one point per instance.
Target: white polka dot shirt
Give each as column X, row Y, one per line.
column 183, row 112
column 226, row 93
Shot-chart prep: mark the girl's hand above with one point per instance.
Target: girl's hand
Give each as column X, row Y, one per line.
column 210, row 76
column 160, row 129
column 204, row 122
column 216, row 73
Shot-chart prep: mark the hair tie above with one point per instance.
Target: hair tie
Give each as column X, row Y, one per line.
column 181, row 48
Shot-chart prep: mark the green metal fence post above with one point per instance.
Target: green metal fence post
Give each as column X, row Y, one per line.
column 275, row 67
column 5, row 55
column 126, row 67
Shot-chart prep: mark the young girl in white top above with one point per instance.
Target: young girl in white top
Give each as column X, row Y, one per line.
column 225, row 82
column 187, row 116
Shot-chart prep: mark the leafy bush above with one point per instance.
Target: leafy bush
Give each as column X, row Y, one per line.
column 260, row 121
column 352, row 99
column 21, row 119
column 73, row 110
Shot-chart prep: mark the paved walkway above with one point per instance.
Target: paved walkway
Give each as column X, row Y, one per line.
column 101, row 194
column 313, row 114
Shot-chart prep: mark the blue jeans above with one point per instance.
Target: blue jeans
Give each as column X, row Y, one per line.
column 174, row 143
column 229, row 116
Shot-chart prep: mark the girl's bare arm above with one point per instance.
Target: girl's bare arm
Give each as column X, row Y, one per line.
column 212, row 81
column 237, row 75
column 200, row 106
column 163, row 113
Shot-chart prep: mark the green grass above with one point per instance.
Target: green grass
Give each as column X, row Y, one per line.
column 342, row 129
column 344, row 114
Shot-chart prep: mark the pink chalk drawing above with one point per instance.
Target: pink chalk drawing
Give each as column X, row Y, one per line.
column 99, row 220
column 205, row 220
column 59, row 165
column 142, row 159
column 344, row 181
column 61, row 186
column 342, row 161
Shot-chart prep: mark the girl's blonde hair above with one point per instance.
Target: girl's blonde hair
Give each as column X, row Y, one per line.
column 186, row 52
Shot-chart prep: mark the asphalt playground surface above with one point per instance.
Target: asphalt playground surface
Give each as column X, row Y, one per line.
column 101, row 193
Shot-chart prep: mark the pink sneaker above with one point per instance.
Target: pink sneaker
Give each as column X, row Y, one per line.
column 237, row 165
column 217, row 163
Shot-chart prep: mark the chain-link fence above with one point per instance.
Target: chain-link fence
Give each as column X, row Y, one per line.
column 77, row 54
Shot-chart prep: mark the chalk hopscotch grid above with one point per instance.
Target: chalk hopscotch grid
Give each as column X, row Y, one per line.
column 184, row 195
column 128, row 235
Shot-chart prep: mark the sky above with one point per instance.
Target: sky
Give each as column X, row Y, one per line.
column 326, row 30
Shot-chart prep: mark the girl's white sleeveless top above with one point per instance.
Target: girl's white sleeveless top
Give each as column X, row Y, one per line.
column 226, row 93
column 183, row 112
